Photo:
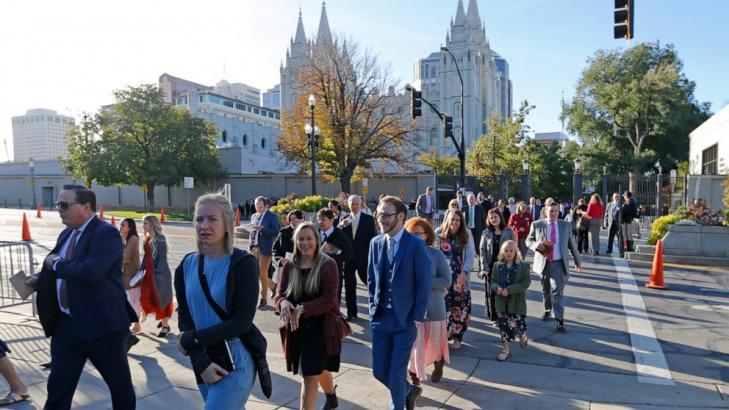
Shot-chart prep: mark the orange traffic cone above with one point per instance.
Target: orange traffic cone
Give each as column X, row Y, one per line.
column 26, row 229
column 38, row 211
column 101, row 213
column 237, row 217
column 656, row 281
column 113, row 221
column 162, row 216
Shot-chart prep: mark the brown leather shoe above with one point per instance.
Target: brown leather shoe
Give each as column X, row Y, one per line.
column 438, row 371
column 414, row 378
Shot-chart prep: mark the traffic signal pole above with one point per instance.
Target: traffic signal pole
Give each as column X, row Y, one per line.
column 446, row 119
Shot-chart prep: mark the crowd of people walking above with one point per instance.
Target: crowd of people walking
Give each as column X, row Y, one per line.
column 417, row 272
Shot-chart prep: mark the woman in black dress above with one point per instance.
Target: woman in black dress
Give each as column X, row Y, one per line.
column 309, row 307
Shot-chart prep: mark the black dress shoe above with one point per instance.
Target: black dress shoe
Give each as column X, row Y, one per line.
column 560, row 327
column 46, row 366
column 131, row 341
column 547, row 316
column 415, row 392
column 351, row 318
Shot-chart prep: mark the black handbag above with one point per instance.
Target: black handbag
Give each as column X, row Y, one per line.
column 253, row 339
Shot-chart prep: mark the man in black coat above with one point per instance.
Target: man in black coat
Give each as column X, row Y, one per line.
column 334, row 243
column 475, row 219
column 359, row 228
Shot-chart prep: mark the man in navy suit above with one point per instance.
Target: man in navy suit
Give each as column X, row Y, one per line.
column 398, row 280
column 82, row 305
column 265, row 228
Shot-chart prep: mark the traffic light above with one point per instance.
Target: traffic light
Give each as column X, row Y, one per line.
column 415, row 103
column 624, row 15
column 448, row 126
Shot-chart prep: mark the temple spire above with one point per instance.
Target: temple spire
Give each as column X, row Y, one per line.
column 472, row 17
column 324, row 35
column 300, row 33
column 460, row 14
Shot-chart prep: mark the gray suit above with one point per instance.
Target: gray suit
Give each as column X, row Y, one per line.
column 556, row 273
column 440, row 282
column 422, row 205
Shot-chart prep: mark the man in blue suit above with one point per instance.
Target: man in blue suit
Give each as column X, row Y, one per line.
column 82, row 305
column 398, row 280
column 265, row 228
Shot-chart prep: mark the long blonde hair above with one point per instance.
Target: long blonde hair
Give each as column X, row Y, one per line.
column 157, row 233
column 226, row 209
column 299, row 286
column 517, row 255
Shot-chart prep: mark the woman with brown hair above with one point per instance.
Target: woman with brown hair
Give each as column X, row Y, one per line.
column 594, row 216
column 493, row 236
column 520, row 222
column 456, row 243
column 309, row 308
column 156, row 293
column 130, row 240
column 431, row 343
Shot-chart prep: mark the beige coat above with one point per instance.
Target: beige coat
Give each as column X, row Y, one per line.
column 131, row 261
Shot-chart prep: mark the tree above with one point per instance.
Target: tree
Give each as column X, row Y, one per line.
column 142, row 141
column 364, row 125
column 638, row 102
column 443, row 165
column 500, row 150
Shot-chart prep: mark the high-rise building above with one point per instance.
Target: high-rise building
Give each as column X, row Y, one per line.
column 297, row 54
column 239, row 91
column 272, row 97
column 486, row 85
column 40, row 134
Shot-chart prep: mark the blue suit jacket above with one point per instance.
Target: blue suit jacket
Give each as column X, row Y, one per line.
column 96, row 295
column 411, row 277
column 267, row 235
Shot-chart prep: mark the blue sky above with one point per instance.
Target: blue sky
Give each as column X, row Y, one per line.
column 69, row 56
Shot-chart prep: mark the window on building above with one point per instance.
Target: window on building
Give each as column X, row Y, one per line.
column 228, row 103
column 709, row 160
column 255, row 110
column 426, row 71
column 240, row 106
column 263, row 112
column 263, row 143
column 245, row 140
column 224, row 136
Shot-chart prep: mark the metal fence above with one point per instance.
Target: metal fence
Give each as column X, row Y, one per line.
column 14, row 257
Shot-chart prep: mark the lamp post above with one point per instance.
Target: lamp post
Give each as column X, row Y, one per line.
column 577, row 182
column 462, row 151
column 525, row 182
column 31, row 165
column 659, row 188
column 312, row 131
column 605, row 185
column 673, row 177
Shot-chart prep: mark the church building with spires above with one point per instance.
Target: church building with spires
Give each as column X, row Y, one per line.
column 487, row 88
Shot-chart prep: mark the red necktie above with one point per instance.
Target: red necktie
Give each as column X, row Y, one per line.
column 553, row 239
column 68, row 256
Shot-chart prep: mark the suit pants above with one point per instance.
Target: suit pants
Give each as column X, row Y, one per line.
column 391, row 345
column 68, row 357
column 349, row 281
column 594, row 233
column 612, row 233
column 554, row 279
column 264, row 262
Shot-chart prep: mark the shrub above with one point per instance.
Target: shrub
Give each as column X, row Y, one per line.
column 311, row 203
column 660, row 227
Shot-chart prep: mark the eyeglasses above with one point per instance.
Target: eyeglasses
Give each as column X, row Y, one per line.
column 62, row 206
column 383, row 215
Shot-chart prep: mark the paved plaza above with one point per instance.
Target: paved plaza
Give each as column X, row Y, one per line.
column 596, row 364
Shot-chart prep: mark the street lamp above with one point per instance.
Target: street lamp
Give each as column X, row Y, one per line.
column 31, row 165
column 659, row 188
column 673, row 177
column 312, row 131
column 462, row 152
column 525, row 181
column 577, row 181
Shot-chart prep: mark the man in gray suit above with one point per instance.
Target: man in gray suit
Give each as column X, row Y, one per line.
column 611, row 222
column 550, row 239
column 425, row 205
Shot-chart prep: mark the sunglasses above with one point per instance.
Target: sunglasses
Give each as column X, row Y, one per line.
column 62, row 206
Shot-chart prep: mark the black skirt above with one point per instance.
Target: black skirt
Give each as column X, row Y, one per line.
column 4, row 349
column 307, row 352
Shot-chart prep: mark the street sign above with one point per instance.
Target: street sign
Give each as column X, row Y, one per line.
column 365, row 181
column 365, row 190
column 189, row 182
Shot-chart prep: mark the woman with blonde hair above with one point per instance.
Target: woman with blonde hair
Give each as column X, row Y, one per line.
column 431, row 343
column 456, row 243
column 509, row 282
column 307, row 299
column 217, row 295
column 156, row 294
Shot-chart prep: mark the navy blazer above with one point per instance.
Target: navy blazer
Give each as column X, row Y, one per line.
column 267, row 235
column 96, row 296
column 411, row 277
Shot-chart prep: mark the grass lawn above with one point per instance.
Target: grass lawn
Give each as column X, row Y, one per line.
column 119, row 215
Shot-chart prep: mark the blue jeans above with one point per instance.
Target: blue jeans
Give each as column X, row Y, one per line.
column 391, row 345
column 233, row 390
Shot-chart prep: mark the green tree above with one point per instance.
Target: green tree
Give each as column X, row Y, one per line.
column 142, row 141
column 637, row 102
column 363, row 125
column 443, row 164
column 500, row 151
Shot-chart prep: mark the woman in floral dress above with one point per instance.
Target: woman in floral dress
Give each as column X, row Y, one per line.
column 456, row 243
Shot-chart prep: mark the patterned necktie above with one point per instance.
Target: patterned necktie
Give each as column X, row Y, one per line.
column 553, row 239
column 471, row 211
column 390, row 250
column 69, row 254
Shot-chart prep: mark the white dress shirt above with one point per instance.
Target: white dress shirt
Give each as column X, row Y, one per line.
column 61, row 253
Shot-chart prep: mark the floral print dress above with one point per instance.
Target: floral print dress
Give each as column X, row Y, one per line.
column 510, row 324
column 458, row 298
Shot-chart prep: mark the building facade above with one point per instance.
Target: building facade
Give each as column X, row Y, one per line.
column 709, row 146
column 40, row 134
column 239, row 91
column 487, row 89
column 272, row 97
